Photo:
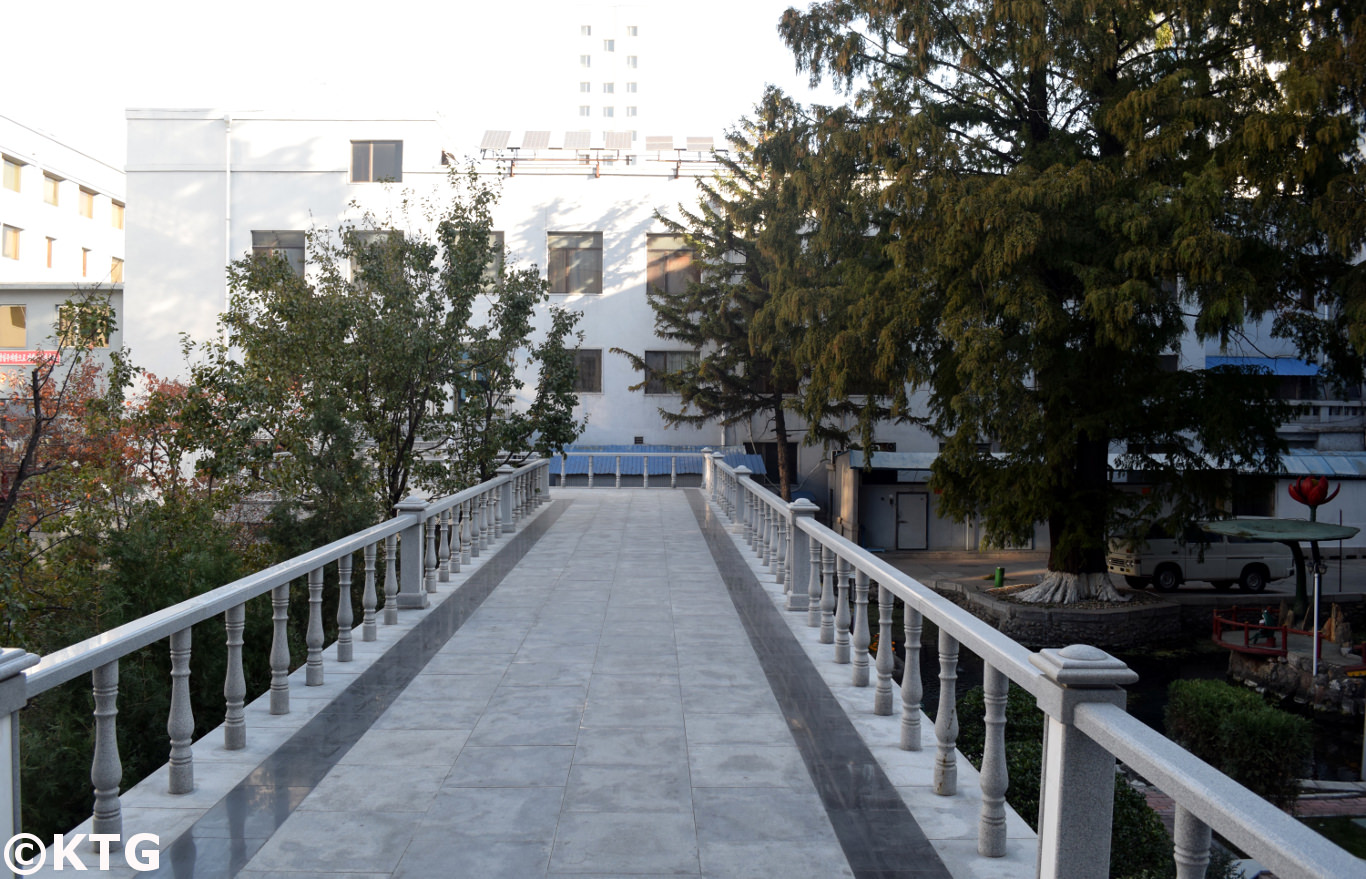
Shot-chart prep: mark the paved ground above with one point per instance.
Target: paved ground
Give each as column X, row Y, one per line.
column 597, row 709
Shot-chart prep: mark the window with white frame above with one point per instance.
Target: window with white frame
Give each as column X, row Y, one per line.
column 630, row 111
column 361, row 240
column 632, row 61
column 51, row 188
column 669, row 263
column 79, row 325
column 585, row 60
column 609, row 88
column 609, row 112
column 631, row 87
column 609, row 45
column 586, row 30
column 9, row 242
column 585, row 110
column 374, row 161
column 116, row 214
column 288, row 243
column 87, row 203
column 115, row 270
column 13, row 326
column 632, row 30
column 588, row 371
column 12, row 173
column 585, row 87
column 575, row 262
column 658, row 362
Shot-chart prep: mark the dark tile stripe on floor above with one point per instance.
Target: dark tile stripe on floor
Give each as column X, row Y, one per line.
column 879, row 835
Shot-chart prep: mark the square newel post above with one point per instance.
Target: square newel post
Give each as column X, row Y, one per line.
column 13, row 696
column 1076, row 798
column 505, row 499
column 708, row 477
column 718, row 485
column 412, row 592
column 799, row 553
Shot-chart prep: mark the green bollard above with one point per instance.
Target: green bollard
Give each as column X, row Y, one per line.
column 1000, row 577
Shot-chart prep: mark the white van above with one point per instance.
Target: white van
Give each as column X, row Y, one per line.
column 1167, row 562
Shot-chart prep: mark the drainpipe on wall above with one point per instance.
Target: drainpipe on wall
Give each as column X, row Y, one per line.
column 227, row 203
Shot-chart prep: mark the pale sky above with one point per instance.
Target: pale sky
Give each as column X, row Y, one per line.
column 73, row 66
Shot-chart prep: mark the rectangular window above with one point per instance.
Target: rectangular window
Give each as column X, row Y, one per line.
column 50, row 243
column 494, row 270
column 608, row 88
column 13, row 326
column 9, row 241
column 630, row 111
column 665, row 361
column 87, row 203
column 631, row 87
column 585, row 60
column 12, row 174
column 632, row 30
column 669, row 264
column 359, row 239
column 585, row 87
column 585, row 110
column 609, row 45
column 280, row 242
column 116, row 271
column 575, row 262
column 116, row 214
column 631, row 61
column 586, row 30
column 608, row 112
column 77, row 326
column 51, row 186
column 85, row 262
column 588, row 371
column 373, row 161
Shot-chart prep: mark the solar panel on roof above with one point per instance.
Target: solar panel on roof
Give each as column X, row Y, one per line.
column 659, row 142
column 576, row 140
column 495, row 140
column 617, row 140
column 701, row 144
column 536, row 140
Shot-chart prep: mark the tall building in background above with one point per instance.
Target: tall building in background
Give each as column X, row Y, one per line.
column 61, row 229
column 612, row 86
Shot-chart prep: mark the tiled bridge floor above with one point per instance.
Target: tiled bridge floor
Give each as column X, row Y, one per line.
column 612, row 695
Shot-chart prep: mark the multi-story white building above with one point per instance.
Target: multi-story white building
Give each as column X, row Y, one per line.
column 61, row 230
column 610, row 83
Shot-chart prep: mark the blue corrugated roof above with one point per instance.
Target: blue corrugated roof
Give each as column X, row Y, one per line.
column 1273, row 365
column 661, row 460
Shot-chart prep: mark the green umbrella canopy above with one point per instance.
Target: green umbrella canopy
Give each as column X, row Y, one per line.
column 1281, row 530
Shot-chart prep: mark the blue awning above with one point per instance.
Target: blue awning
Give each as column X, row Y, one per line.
column 1272, row 365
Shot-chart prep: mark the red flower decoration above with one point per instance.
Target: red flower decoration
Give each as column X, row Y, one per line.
column 1312, row 491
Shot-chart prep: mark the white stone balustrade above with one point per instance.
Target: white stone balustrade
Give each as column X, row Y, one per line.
column 417, row 549
column 1079, row 689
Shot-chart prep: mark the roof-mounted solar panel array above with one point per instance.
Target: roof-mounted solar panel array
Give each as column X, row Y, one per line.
column 536, row 140
column 495, row 140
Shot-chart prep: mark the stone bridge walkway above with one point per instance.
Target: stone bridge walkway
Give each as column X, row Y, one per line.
column 613, row 694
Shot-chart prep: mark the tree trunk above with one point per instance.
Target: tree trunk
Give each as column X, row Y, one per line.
column 780, row 433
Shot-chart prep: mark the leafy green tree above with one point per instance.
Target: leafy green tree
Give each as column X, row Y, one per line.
column 747, row 241
column 400, row 343
column 1064, row 189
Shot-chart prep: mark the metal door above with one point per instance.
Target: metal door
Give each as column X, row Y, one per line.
column 912, row 520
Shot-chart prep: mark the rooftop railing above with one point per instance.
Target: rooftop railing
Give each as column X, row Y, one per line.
column 1079, row 688
column 423, row 544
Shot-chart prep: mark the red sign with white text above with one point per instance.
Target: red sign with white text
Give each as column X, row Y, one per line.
column 23, row 358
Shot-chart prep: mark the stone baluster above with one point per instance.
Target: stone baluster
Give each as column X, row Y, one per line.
column 476, row 527
column 235, row 681
column 368, row 600
column 180, row 724
column 412, row 567
column 991, row 827
column 780, row 549
column 488, row 522
column 390, row 580
column 673, row 471
column 861, row 636
column 912, row 690
column 1191, row 838
column 719, row 488
column 882, row 697
column 813, row 593
column 443, row 549
column 106, row 770
column 590, row 471
column 430, row 559
column 799, row 556
column 828, row 596
column 645, row 472
column 618, row 485
column 770, row 535
column 842, row 611
column 279, row 650
column 346, row 617
column 563, row 458
column 946, row 720
column 13, row 697
column 739, row 504
column 1077, row 791
column 466, row 514
column 313, row 674
column 508, row 525
column 453, row 540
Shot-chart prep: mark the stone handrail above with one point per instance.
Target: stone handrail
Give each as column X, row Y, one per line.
column 1079, row 689
column 432, row 539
